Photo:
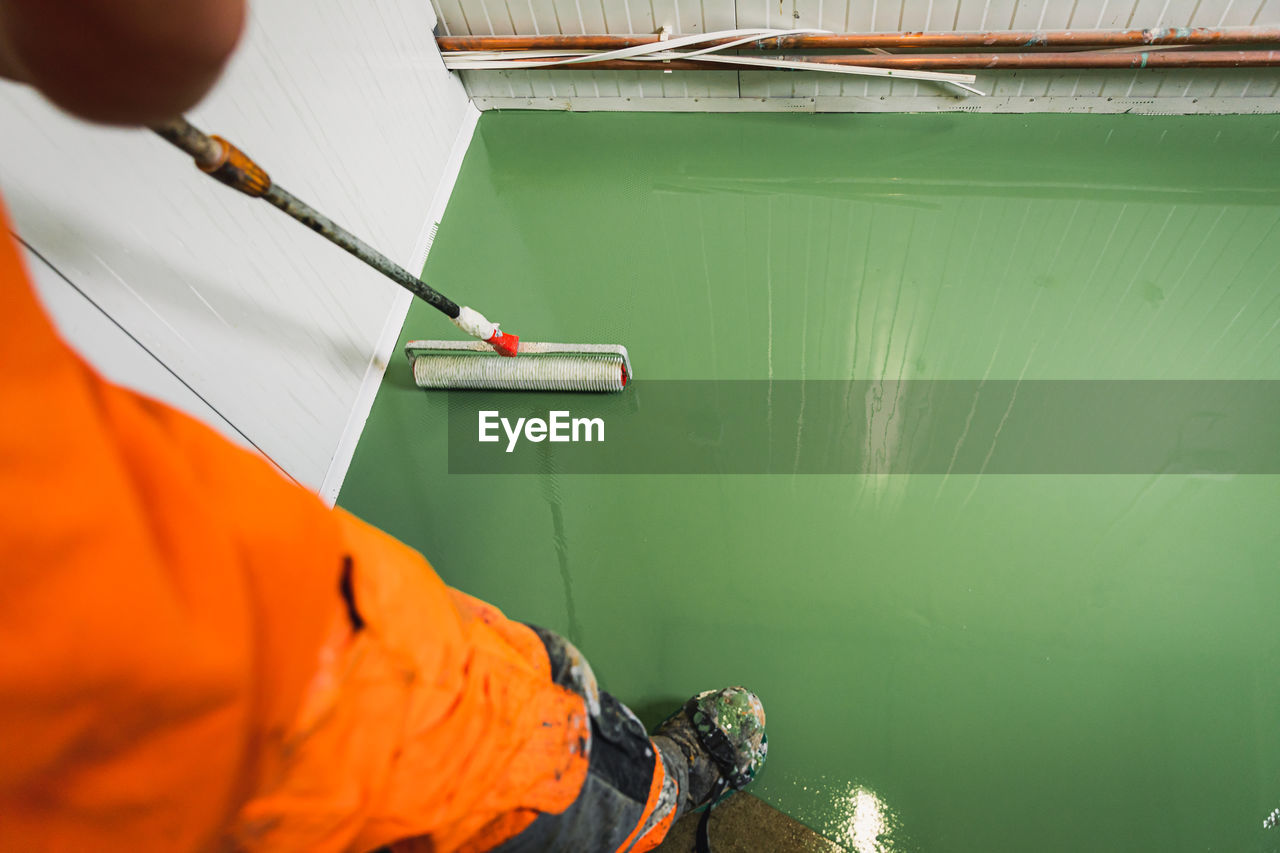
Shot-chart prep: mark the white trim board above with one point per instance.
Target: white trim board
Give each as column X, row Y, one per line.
column 898, row 104
column 383, row 352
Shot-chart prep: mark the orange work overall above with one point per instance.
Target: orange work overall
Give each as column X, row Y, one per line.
column 196, row 654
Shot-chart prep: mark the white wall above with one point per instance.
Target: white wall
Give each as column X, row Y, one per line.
column 1246, row 90
column 218, row 303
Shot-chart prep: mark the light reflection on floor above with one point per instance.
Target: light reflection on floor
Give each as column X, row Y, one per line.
column 870, row 824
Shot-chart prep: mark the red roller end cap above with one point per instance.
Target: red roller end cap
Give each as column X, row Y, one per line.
column 504, row 343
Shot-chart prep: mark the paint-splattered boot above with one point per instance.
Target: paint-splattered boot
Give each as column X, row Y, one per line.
column 713, row 743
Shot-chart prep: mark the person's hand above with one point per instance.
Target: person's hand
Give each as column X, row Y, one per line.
column 119, row 61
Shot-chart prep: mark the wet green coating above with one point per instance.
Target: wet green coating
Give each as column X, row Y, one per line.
column 996, row 664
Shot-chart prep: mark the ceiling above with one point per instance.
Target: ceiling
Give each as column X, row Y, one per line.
column 1245, row 90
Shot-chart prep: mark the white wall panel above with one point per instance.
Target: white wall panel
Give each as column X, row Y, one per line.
column 623, row 86
column 1209, row 90
column 283, row 335
column 112, row 350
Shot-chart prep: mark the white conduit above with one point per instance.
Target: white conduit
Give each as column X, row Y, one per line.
column 502, row 60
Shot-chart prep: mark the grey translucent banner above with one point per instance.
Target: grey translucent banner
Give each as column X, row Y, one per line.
column 867, row 427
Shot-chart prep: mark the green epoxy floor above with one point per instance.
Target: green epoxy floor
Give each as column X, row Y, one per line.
column 952, row 663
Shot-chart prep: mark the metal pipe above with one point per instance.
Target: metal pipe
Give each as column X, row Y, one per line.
column 930, row 61
column 1000, row 38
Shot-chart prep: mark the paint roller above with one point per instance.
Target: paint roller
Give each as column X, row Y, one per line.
column 497, row 360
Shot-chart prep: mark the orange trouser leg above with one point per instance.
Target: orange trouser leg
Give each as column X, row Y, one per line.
column 196, row 654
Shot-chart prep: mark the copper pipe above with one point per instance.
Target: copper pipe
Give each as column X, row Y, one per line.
column 1000, row 38
column 938, row 61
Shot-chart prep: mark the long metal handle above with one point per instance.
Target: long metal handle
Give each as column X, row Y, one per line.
column 221, row 160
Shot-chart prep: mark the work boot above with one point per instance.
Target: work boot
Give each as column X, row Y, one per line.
column 713, row 743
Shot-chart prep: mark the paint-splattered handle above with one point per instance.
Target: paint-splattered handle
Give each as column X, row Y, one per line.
column 235, row 169
column 217, row 157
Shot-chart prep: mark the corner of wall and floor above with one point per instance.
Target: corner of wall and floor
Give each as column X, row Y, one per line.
column 182, row 289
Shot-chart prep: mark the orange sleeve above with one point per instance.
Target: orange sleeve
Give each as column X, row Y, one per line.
column 178, row 667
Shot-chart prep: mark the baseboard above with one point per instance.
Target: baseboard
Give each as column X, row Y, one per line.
column 383, row 352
